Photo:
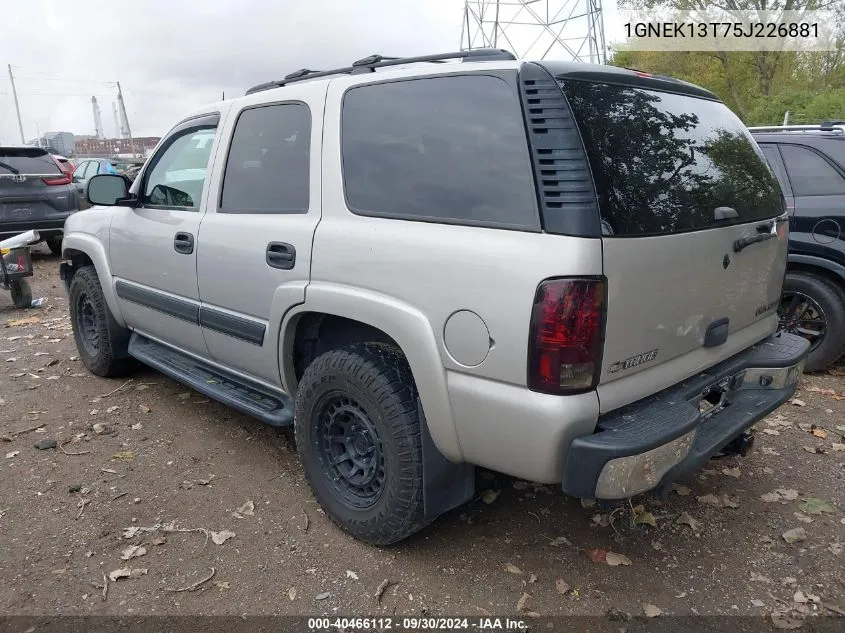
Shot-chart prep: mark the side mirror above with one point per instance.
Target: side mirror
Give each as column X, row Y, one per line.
column 107, row 190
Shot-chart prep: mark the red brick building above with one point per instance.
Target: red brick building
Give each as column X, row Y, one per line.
column 94, row 147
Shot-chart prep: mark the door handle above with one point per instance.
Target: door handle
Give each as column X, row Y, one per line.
column 281, row 255
column 183, row 243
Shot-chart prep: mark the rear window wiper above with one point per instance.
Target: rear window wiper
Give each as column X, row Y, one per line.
column 9, row 167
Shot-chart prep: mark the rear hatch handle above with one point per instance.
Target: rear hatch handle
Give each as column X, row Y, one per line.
column 764, row 232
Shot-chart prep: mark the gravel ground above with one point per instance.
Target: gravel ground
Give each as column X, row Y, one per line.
column 151, row 470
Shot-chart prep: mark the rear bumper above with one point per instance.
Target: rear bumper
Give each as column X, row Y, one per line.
column 53, row 227
column 650, row 443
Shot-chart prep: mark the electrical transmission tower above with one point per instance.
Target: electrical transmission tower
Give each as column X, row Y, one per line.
column 537, row 29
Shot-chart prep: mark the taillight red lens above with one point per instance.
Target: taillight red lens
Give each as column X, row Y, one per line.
column 64, row 179
column 566, row 335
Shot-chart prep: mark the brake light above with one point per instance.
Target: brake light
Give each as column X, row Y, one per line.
column 65, row 179
column 566, row 335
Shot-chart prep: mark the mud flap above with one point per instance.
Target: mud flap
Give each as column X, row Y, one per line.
column 446, row 485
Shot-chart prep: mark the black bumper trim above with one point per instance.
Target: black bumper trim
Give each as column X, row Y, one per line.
column 674, row 412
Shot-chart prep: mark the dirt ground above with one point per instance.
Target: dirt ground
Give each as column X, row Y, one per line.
column 151, row 464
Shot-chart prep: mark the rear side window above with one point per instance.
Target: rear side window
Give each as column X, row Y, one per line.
column 27, row 161
column 442, row 149
column 267, row 168
column 810, row 174
column 664, row 162
column 773, row 158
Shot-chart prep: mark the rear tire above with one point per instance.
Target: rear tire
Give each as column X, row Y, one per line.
column 101, row 342
column 357, row 429
column 815, row 303
column 21, row 293
column 55, row 245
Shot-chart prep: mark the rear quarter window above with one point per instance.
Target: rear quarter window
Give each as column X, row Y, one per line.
column 663, row 162
column 810, row 174
column 441, row 149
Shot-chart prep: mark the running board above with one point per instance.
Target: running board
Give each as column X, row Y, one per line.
column 274, row 408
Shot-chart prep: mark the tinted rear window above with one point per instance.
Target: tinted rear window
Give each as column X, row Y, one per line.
column 27, row 161
column 442, row 149
column 810, row 174
column 663, row 162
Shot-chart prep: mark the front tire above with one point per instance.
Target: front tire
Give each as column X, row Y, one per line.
column 357, row 429
column 814, row 308
column 101, row 342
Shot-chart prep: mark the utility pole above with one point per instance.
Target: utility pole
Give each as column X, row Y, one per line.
column 125, row 118
column 116, row 120
column 17, row 107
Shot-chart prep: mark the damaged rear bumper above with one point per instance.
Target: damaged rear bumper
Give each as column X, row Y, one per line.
column 650, row 443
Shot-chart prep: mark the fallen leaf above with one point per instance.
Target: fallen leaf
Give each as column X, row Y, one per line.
column 771, row 431
column 795, row 535
column 532, row 579
column 136, row 427
column 159, row 540
column 126, row 456
column 602, row 520
column 126, row 572
column 686, row 519
column 806, row 426
column 185, row 395
column 770, row 497
column 112, row 409
column 646, row 518
column 728, row 502
column 841, row 428
column 802, row 517
column 755, row 577
column 221, row 585
column 131, row 532
column 613, row 559
column 94, row 411
column 800, row 598
column 133, row 551
column 20, row 322
column 292, row 593
column 812, row 505
column 711, row 500
column 562, row 586
column 820, row 433
column 838, row 447
column 99, row 428
column 560, row 540
column 520, row 604
column 597, row 555
column 490, row 496
column 322, row 596
column 798, row 402
column 816, row 450
column 732, row 472
column 789, row 581
column 12, row 454
column 782, row 621
column 682, row 490
column 513, row 569
column 144, row 408
column 246, row 510
column 787, row 493
column 651, row 611
column 757, row 603
column 351, row 574
column 218, row 538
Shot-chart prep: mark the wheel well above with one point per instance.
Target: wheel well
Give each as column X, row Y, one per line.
column 77, row 260
column 818, row 271
column 317, row 333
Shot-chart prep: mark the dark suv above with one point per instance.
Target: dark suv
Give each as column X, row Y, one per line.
column 809, row 162
column 35, row 193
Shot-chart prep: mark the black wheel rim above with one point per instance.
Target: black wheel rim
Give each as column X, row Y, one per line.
column 86, row 325
column 800, row 314
column 350, row 449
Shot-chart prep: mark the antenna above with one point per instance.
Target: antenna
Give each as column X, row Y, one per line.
column 537, row 29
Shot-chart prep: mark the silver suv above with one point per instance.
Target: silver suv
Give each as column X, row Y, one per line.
column 564, row 272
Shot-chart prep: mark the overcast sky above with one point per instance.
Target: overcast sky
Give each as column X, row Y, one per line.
column 172, row 56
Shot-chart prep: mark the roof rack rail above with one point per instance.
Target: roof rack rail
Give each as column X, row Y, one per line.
column 827, row 126
column 369, row 65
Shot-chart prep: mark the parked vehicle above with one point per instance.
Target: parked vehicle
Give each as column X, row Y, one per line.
column 88, row 168
column 809, row 162
column 564, row 272
column 35, row 193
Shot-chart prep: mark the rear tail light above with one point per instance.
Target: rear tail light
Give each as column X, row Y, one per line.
column 65, row 179
column 566, row 335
